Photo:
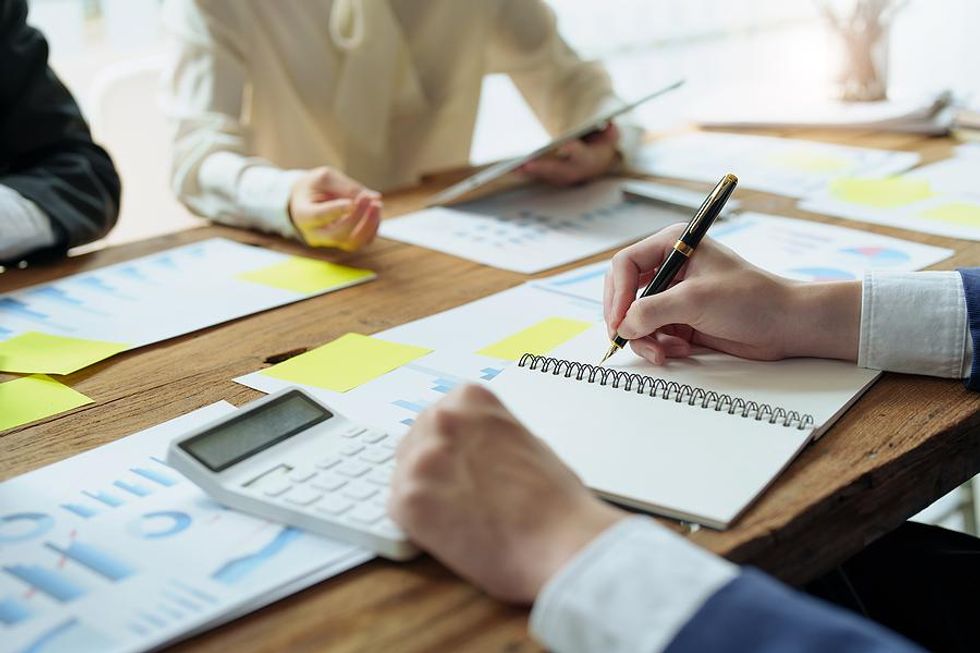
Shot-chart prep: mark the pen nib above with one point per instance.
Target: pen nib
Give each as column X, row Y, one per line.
column 612, row 350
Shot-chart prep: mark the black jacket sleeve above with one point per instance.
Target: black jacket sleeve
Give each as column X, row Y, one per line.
column 46, row 150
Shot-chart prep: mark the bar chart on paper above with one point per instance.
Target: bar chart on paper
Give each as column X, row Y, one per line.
column 68, row 324
column 113, row 550
column 533, row 229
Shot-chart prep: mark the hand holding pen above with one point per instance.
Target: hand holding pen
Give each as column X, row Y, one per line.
column 666, row 269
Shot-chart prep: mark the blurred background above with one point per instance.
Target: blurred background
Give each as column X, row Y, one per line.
column 767, row 52
column 110, row 53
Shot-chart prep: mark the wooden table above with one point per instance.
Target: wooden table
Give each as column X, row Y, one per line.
column 906, row 443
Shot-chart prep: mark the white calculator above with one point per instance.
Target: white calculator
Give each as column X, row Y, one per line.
column 289, row 458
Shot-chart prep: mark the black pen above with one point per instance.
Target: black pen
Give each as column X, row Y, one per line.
column 684, row 247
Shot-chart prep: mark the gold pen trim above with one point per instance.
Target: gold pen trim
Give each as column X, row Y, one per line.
column 684, row 248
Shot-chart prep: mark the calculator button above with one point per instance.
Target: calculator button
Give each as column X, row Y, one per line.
column 328, row 462
column 328, row 482
column 352, row 431
column 380, row 476
column 303, row 496
column 391, row 442
column 352, row 468
column 333, row 505
column 360, row 490
column 366, row 514
column 388, row 528
column 377, row 455
column 277, row 487
column 351, row 449
column 302, row 474
column 371, row 437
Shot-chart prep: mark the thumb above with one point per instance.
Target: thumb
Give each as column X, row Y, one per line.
column 648, row 314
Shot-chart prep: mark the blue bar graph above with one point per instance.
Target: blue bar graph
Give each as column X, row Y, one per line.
column 110, row 500
column 443, row 386
column 157, row 477
column 13, row 611
column 488, row 373
column 55, row 294
column 80, row 510
column 20, row 309
column 72, row 635
column 99, row 561
column 49, row 581
column 133, row 488
column 408, row 421
column 413, row 406
column 4, row 333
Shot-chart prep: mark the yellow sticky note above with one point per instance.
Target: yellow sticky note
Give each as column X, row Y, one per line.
column 962, row 213
column 539, row 338
column 306, row 275
column 886, row 193
column 35, row 397
column 43, row 353
column 806, row 161
column 346, row 363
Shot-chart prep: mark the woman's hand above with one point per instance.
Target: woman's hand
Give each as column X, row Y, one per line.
column 329, row 209
column 722, row 302
column 577, row 161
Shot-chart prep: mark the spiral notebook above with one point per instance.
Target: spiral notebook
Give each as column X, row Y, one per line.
column 698, row 439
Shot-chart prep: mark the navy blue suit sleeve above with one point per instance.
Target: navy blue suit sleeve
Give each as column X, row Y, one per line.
column 971, row 287
column 756, row 614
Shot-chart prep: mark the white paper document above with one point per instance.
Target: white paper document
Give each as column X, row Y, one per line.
column 797, row 249
column 113, row 550
column 168, row 294
column 783, row 166
column 942, row 198
column 533, row 229
column 392, row 402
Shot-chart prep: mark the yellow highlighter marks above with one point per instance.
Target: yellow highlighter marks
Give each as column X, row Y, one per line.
column 35, row 397
column 42, row 353
column 347, row 362
column 306, row 275
column 538, row 338
column 887, row 193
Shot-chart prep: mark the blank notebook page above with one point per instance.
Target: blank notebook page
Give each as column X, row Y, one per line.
column 667, row 457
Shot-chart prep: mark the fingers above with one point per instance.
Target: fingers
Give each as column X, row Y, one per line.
column 330, row 183
column 555, row 171
column 649, row 314
column 659, row 347
column 633, row 266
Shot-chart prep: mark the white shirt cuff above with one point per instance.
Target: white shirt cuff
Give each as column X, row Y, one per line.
column 24, row 227
column 258, row 191
column 632, row 589
column 915, row 322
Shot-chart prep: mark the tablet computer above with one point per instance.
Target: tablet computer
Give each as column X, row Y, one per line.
column 498, row 170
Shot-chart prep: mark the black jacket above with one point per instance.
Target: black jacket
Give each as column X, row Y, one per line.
column 46, row 151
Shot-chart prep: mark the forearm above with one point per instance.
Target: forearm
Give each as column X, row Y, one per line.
column 915, row 322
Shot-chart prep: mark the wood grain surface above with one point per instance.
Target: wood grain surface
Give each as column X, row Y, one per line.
column 906, row 443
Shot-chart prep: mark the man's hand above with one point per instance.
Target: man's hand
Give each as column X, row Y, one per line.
column 329, row 209
column 577, row 161
column 491, row 501
column 722, row 302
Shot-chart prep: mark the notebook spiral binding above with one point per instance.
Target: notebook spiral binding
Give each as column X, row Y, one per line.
column 667, row 390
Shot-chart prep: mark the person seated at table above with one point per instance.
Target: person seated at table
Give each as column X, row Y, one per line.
column 292, row 116
column 58, row 189
column 478, row 491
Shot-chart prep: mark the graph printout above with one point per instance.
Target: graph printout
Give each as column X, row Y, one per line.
column 112, row 550
column 533, row 229
column 67, row 324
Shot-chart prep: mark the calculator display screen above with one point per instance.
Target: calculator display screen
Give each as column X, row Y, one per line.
column 253, row 431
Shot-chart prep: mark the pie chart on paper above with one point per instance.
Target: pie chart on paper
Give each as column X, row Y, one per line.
column 878, row 256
